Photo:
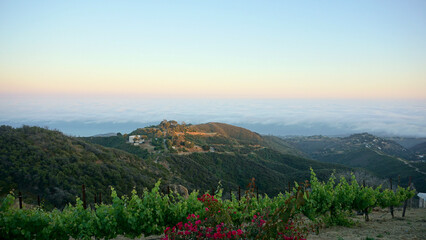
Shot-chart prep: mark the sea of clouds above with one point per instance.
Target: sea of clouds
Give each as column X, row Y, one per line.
column 86, row 116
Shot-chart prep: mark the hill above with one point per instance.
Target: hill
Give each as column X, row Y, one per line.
column 419, row 149
column 271, row 169
column 316, row 146
column 240, row 134
column 199, row 156
column 384, row 158
column 407, row 142
column 282, row 146
column 42, row 162
column 48, row 163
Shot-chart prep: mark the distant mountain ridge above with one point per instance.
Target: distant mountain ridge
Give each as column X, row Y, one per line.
column 318, row 145
column 105, row 135
column 385, row 158
column 419, row 149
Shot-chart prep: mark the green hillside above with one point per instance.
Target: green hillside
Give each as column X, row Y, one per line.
column 234, row 156
column 272, row 170
column 118, row 142
column 383, row 166
column 42, row 162
column 419, row 148
column 48, row 163
column 282, row 146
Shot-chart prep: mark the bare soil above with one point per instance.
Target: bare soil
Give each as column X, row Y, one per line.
column 381, row 226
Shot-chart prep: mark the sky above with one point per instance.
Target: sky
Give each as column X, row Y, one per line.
column 328, row 67
column 217, row 49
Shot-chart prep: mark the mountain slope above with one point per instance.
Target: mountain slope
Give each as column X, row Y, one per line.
column 282, row 146
column 233, row 156
column 380, row 157
column 42, row 162
column 419, row 148
column 271, row 169
column 230, row 131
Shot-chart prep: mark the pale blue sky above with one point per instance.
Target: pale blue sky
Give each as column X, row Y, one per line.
column 73, row 61
column 238, row 49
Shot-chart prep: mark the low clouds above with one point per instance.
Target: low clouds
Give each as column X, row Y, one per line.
column 280, row 117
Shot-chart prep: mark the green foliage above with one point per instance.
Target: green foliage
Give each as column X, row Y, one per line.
column 271, row 169
column 153, row 212
column 376, row 155
column 42, row 162
column 334, row 202
column 118, row 142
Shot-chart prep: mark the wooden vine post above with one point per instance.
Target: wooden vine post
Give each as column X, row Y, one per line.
column 365, row 210
column 391, row 207
column 257, row 193
column 406, row 201
column 83, row 189
column 20, row 200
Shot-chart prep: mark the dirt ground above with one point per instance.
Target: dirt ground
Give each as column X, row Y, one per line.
column 381, row 226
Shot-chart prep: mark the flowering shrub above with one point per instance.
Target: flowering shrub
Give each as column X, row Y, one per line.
column 215, row 212
column 210, row 228
column 199, row 229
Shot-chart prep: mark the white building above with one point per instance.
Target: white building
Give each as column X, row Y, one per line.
column 422, row 199
column 136, row 139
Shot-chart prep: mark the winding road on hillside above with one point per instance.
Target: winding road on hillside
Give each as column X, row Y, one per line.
column 415, row 168
column 405, row 162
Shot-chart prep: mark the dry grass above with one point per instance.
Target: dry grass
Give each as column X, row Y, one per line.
column 380, row 226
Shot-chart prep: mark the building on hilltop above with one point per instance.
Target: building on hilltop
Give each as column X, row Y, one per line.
column 136, row 139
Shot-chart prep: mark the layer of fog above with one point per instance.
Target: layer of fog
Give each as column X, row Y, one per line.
column 89, row 116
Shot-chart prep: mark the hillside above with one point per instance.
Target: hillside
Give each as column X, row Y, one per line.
column 240, row 134
column 199, row 157
column 282, row 146
column 316, row 146
column 407, row 142
column 419, row 149
column 271, row 169
column 42, row 162
column 381, row 157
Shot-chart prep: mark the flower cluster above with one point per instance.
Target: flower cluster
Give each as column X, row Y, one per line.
column 197, row 229
column 258, row 220
column 207, row 198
